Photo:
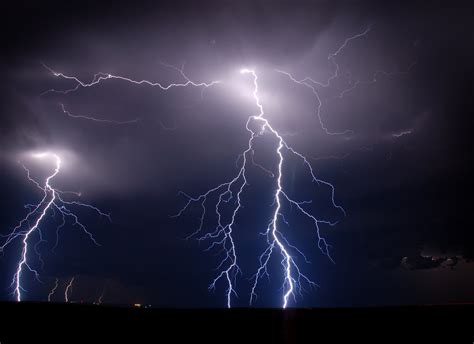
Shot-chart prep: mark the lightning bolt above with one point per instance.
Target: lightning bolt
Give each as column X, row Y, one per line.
column 53, row 201
column 51, row 293
column 68, row 289
column 222, row 235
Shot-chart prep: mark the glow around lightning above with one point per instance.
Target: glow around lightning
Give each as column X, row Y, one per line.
column 52, row 202
column 294, row 280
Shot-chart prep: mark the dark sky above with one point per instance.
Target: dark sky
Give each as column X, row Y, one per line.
column 407, row 237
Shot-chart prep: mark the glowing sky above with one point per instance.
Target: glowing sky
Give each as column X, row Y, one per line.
column 401, row 166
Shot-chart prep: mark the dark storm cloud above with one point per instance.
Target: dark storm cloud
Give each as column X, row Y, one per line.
column 421, row 262
column 405, row 179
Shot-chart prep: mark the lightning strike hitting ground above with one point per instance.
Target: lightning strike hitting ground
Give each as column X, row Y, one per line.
column 51, row 293
column 68, row 289
column 222, row 235
column 97, row 79
column 53, row 201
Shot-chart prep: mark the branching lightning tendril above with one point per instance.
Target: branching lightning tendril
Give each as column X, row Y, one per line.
column 314, row 86
column 94, row 119
column 100, row 77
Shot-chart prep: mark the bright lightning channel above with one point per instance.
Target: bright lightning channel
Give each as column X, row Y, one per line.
column 51, row 293
column 222, row 235
column 51, row 202
column 68, row 289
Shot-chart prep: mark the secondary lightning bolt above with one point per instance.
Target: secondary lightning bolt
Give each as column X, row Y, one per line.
column 51, row 293
column 222, row 235
column 96, row 80
column 52, row 201
column 68, row 289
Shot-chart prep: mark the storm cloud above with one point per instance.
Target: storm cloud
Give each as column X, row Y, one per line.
column 403, row 174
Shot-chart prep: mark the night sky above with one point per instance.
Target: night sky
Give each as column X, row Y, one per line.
column 403, row 173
